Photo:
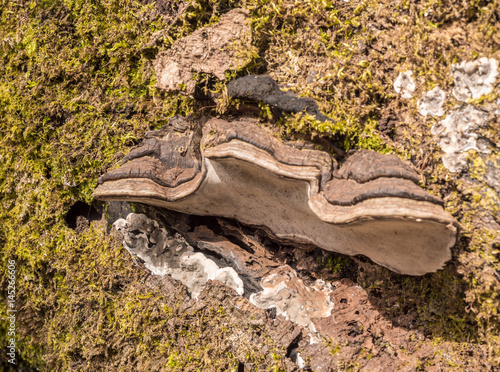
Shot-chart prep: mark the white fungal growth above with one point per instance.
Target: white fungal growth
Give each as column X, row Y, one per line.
column 474, row 79
column 164, row 254
column 405, row 85
column 432, row 102
column 456, row 135
column 293, row 299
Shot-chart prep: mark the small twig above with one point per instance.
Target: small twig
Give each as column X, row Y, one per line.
column 424, row 163
column 207, row 107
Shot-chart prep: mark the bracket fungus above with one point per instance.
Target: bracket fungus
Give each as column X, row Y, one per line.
column 370, row 206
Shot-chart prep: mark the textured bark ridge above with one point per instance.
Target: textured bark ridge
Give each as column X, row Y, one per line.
column 207, row 50
column 371, row 206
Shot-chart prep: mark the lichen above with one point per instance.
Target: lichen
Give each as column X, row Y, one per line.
column 474, row 79
column 457, row 135
column 431, row 102
column 405, row 85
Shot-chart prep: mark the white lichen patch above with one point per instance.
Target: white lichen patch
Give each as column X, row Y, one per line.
column 456, row 135
column 405, row 85
column 432, row 102
column 164, row 254
column 293, row 299
column 474, row 79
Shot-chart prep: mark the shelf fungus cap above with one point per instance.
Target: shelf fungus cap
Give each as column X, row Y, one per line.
column 372, row 205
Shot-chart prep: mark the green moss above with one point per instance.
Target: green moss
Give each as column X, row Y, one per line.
column 335, row 263
column 333, row 347
column 77, row 90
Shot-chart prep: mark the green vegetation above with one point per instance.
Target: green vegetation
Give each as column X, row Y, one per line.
column 77, row 91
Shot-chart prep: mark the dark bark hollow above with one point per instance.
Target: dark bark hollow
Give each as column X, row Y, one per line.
column 370, row 206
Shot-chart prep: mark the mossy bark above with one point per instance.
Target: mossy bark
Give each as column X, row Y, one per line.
column 77, row 91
